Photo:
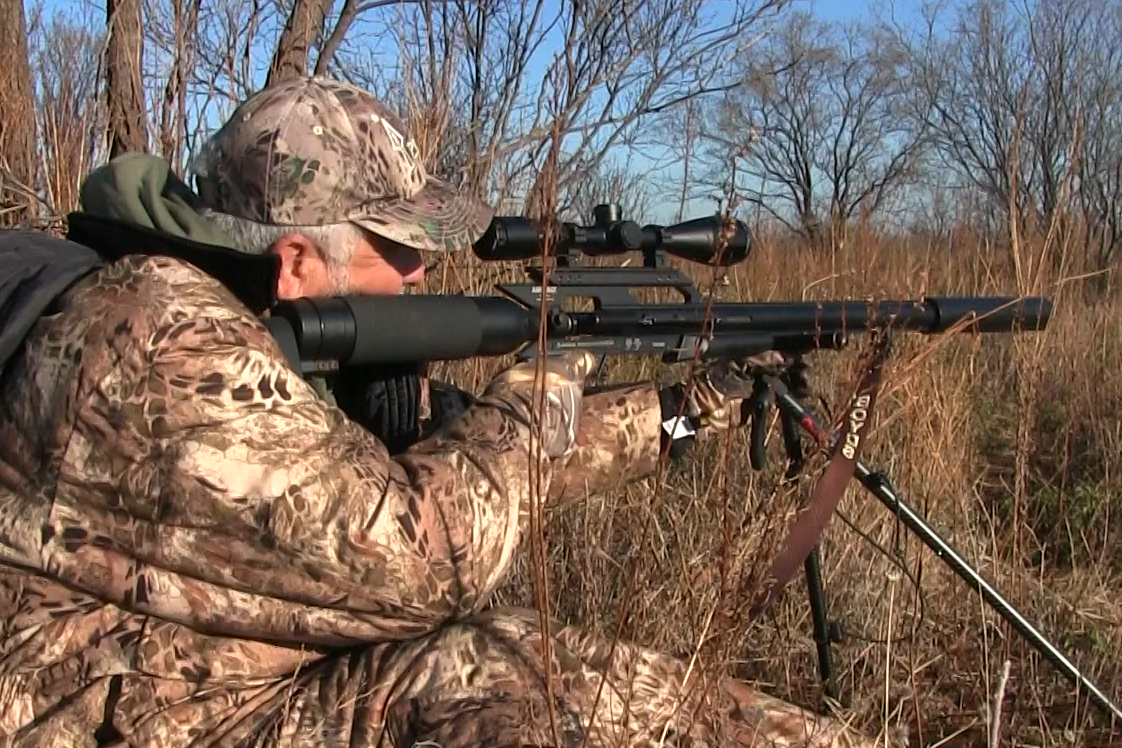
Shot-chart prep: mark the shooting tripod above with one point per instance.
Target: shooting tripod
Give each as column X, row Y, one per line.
column 794, row 414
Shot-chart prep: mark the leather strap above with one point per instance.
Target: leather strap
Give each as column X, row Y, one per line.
column 808, row 527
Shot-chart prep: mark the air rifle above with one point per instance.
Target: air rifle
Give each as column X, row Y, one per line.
column 328, row 334
column 336, row 332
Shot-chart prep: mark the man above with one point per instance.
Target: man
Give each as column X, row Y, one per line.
column 198, row 549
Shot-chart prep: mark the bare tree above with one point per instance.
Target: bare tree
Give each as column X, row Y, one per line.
column 1059, row 37
column 873, row 149
column 971, row 90
column 686, row 139
column 598, row 74
column 124, row 92
column 618, row 68
column 1006, row 93
column 816, row 131
column 350, row 12
column 301, row 33
column 609, row 183
column 65, row 54
column 171, row 39
column 774, row 126
column 17, row 118
column 486, row 85
column 1100, row 165
column 226, row 71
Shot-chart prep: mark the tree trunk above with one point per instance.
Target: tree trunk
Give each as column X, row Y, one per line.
column 128, row 129
column 304, row 26
column 173, row 118
column 17, row 119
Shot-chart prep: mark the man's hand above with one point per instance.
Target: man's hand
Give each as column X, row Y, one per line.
column 563, row 379
column 718, row 394
column 717, row 399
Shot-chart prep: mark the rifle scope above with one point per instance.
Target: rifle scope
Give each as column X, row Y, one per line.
column 697, row 240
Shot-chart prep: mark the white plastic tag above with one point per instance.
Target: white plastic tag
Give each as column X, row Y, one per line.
column 678, row 428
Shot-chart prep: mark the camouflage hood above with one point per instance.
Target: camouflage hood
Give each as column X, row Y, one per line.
column 135, row 204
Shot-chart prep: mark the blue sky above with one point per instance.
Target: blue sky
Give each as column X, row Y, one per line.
column 845, row 10
column 839, row 9
column 826, row 9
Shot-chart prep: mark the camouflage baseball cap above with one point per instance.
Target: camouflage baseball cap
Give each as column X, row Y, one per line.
column 312, row 151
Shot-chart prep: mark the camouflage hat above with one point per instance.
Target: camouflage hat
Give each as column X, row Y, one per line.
column 314, row 151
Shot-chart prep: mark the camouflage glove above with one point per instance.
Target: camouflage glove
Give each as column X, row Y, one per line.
column 717, row 399
column 564, row 379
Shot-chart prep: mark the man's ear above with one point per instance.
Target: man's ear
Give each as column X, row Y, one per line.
column 301, row 266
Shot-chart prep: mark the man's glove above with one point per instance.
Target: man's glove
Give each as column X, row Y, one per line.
column 564, row 380
column 385, row 400
column 718, row 398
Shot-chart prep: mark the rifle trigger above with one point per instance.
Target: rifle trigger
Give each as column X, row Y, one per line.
column 759, row 403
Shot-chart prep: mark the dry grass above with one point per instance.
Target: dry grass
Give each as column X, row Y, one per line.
column 1009, row 446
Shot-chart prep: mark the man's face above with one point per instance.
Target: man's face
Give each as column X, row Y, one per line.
column 378, row 267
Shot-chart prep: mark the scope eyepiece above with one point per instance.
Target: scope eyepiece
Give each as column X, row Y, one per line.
column 513, row 238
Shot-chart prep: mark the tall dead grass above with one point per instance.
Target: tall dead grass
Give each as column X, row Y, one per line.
column 1009, row 445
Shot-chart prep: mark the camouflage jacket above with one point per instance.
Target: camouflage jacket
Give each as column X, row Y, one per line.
column 184, row 523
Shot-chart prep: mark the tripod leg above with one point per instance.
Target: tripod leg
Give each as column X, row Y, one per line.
column 878, row 486
column 822, row 637
column 824, row 632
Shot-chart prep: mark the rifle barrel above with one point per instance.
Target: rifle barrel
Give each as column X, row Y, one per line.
column 357, row 330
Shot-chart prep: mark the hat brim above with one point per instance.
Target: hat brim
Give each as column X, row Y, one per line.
column 437, row 219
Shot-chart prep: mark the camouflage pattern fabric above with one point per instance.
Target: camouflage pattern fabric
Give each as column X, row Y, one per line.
column 196, row 550
column 313, row 151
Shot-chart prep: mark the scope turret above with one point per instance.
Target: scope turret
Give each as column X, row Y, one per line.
column 697, row 240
